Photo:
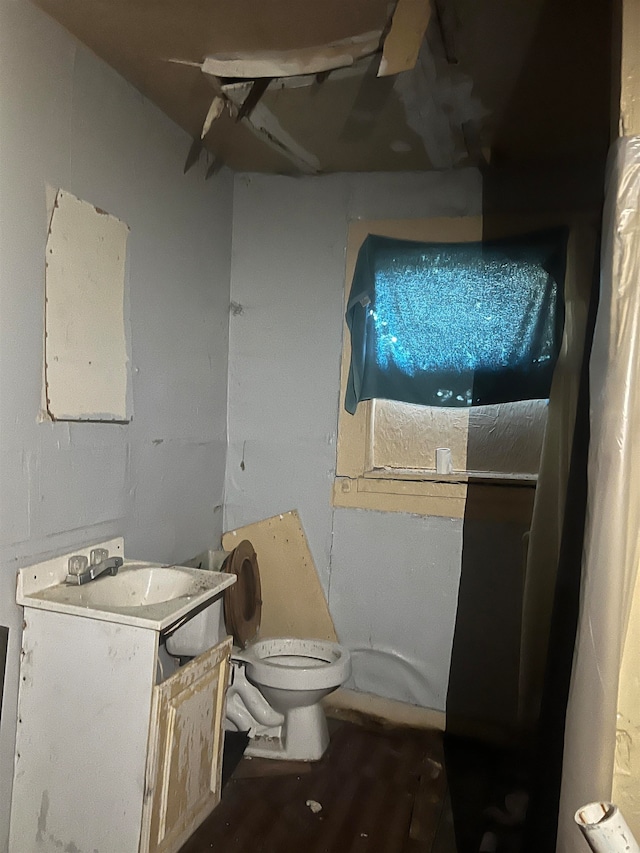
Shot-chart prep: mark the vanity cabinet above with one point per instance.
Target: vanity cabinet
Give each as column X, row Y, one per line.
column 111, row 757
column 184, row 759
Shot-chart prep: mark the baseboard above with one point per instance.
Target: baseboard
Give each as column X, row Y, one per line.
column 352, row 705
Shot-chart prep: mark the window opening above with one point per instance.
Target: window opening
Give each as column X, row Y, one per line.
column 456, row 324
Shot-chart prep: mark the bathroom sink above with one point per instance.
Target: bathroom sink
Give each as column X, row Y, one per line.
column 144, row 594
column 137, row 587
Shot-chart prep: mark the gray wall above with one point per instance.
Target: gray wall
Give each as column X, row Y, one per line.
column 68, row 120
column 391, row 579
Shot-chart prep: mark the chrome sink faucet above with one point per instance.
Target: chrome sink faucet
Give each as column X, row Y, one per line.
column 81, row 571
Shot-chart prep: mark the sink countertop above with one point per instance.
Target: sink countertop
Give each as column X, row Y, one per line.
column 43, row 586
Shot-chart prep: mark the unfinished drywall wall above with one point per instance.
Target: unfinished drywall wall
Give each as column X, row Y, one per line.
column 392, row 579
column 68, row 121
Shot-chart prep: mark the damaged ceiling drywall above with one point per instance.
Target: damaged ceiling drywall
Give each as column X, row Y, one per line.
column 284, row 86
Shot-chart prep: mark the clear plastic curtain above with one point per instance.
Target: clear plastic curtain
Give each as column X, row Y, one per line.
column 612, row 535
column 549, row 506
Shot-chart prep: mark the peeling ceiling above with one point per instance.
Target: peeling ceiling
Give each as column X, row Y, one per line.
column 497, row 82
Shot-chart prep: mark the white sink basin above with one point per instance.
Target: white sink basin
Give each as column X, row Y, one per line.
column 136, row 587
column 144, row 594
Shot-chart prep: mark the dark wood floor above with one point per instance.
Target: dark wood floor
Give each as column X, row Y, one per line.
column 374, row 791
column 377, row 789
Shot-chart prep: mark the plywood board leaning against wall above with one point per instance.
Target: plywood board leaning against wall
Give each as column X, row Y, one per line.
column 293, row 603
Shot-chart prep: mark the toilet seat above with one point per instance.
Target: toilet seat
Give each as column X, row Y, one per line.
column 243, row 600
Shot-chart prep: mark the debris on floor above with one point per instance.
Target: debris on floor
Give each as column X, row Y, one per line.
column 376, row 790
column 372, row 791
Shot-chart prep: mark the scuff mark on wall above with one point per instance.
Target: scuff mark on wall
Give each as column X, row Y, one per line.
column 42, row 817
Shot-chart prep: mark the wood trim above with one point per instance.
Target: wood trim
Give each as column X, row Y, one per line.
column 419, row 498
column 356, row 485
column 510, row 503
column 353, row 430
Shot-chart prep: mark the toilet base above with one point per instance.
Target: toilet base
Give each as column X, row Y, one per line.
column 304, row 736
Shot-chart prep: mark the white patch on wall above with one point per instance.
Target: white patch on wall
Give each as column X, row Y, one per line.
column 86, row 362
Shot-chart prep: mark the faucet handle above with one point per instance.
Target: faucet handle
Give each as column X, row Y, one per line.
column 98, row 555
column 77, row 564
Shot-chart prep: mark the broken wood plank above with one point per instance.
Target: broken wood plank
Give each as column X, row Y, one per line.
column 266, row 127
column 299, row 81
column 402, row 44
column 258, row 88
column 287, row 63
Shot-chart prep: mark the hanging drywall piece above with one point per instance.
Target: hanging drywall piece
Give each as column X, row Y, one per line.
column 214, row 112
column 266, row 127
column 287, row 63
column 86, row 363
column 293, row 603
column 402, row 44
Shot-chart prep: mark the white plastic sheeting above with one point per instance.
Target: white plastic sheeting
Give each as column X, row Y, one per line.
column 551, row 492
column 612, row 544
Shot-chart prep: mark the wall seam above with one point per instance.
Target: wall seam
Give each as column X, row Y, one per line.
column 228, row 402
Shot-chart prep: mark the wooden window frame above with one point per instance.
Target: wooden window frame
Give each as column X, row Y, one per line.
column 356, row 484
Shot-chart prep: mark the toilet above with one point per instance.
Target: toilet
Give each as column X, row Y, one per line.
column 276, row 683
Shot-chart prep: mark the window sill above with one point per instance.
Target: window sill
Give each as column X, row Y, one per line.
column 504, row 500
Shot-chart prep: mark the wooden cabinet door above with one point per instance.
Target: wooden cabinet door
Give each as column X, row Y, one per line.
column 184, row 762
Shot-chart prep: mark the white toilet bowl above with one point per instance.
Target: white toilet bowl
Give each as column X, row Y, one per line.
column 277, row 684
column 294, row 675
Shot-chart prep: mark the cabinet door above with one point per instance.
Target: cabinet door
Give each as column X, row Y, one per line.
column 184, row 761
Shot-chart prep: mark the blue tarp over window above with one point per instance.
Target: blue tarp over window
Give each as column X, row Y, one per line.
column 456, row 324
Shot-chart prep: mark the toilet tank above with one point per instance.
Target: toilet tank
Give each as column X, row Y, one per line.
column 206, row 629
column 202, row 632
